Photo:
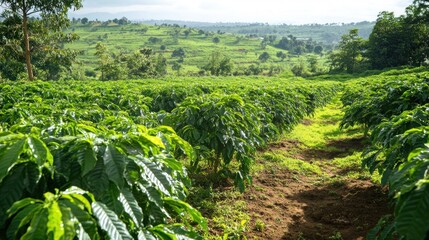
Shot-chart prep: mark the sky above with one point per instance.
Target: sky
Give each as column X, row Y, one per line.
column 264, row 11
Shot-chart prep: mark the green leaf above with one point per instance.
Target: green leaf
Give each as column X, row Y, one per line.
column 55, row 225
column 109, row 222
column 97, row 180
column 145, row 235
column 10, row 137
column 163, row 233
column 87, row 225
column 17, row 206
column 131, row 206
column 156, row 176
column 11, row 190
column 40, row 151
column 412, row 219
column 154, row 197
column 68, row 222
column 9, row 156
column 114, row 162
column 87, row 158
column 21, row 219
column 38, row 226
column 181, row 207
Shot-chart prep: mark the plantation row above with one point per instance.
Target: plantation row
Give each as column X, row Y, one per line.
column 395, row 111
column 96, row 160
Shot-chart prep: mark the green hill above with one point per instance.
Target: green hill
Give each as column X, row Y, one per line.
column 197, row 44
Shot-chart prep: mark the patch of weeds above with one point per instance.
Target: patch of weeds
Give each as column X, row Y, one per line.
column 294, row 165
column 338, row 182
column 336, row 236
column 230, row 218
column 350, row 162
column 301, row 236
column 224, row 208
column 259, row 225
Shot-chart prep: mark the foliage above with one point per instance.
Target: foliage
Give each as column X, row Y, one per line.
column 134, row 181
column 46, row 33
column 388, row 44
column 395, row 109
column 219, row 64
column 349, row 55
column 140, row 64
column 264, row 57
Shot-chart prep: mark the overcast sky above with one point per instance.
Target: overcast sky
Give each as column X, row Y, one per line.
column 271, row 11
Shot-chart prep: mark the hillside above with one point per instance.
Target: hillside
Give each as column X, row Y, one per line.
column 327, row 33
column 198, row 45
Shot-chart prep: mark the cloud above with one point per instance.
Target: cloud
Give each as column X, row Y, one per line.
column 122, row 3
column 272, row 11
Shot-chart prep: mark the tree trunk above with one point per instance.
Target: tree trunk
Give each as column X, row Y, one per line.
column 27, row 46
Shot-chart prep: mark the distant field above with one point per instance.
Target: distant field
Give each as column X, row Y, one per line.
column 198, row 45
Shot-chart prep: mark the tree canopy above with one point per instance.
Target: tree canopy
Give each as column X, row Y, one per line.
column 24, row 41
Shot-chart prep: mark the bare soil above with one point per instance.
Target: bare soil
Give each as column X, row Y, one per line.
column 284, row 205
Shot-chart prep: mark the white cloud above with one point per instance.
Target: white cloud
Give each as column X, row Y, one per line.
column 272, row 11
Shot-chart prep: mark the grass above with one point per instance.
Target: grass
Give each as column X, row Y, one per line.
column 324, row 128
column 314, row 149
column 198, row 47
column 294, row 165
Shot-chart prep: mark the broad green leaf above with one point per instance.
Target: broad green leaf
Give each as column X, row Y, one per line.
column 68, row 222
column 40, row 151
column 163, row 233
column 87, row 225
column 17, row 206
column 154, row 196
column 412, row 219
column 11, row 189
column 21, row 219
column 87, row 158
column 55, row 225
column 114, row 162
column 131, row 206
column 10, row 137
column 97, row 180
column 181, row 207
column 110, row 222
column 155, row 175
column 9, row 156
column 183, row 234
column 38, row 226
column 145, row 235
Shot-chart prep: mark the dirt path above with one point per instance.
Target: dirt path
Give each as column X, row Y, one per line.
column 310, row 185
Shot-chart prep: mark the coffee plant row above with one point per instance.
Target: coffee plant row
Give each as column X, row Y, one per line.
column 104, row 160
column 395, row 111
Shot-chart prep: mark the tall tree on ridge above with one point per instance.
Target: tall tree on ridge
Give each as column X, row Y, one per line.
column 54, row 10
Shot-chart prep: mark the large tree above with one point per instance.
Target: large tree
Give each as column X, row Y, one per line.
column 387, row 42
column 349, row 55
column 54, row 11
column 398, row 41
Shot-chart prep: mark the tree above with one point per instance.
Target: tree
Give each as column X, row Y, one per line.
column 264, row 57
column 281, row 55
column 176, row 67
column 216, row 40
column 219, row 64
column 318, row 49
column 54, row 10
column 349, row 55
column 85, row 20
column 123, row 21
column 422, row 7
column 179, row 53
column 386, row 42
column 398, row 41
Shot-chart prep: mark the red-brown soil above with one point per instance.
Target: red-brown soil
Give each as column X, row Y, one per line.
column 285, row 205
